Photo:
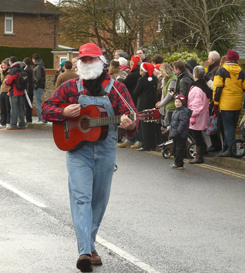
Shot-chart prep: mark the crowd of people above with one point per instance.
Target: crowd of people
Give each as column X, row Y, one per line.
column 19, row 83
column 216, row 90
column 15, row 103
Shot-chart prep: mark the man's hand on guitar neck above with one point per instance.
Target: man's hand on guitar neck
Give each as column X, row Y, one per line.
column 71, row 111
column 127, row 123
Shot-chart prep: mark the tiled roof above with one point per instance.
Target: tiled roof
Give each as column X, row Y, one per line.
column 241, row 43
column 27, row 7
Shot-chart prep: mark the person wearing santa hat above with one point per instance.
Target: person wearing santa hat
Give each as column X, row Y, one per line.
column 90, row 167
column 146, row 91
column 228, row 90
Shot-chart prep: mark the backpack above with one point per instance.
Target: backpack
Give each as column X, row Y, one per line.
column 22, row 80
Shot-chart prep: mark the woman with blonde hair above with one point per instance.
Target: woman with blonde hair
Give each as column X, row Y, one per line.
column 166, row 104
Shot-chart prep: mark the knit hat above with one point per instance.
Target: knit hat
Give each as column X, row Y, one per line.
column 136, row 60
column 191, row 64
column 62, row 63
column 114, row 63
column 149, row 68
column 157, row 68
column 124, row 55
column 232, row 55
column 181, row 98
column 122, row 61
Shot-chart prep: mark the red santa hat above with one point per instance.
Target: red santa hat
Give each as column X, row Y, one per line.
column 157, row 68
column 149, row 68
column 135, row 60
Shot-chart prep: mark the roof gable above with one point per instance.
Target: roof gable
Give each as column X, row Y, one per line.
column 27, row 7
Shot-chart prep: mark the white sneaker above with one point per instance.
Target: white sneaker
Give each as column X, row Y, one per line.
column 41, row 122
column 2, row 126
column 7, row 125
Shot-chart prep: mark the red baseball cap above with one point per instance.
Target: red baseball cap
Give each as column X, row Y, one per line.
column 89, row 50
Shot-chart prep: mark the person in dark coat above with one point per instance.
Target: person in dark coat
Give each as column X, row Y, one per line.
column 134, row 74
column 131, row 82
column 213, row 66
column 179, row 130
column 29, row 90
column 39, row 80
column 184, row 78
column 146, row 92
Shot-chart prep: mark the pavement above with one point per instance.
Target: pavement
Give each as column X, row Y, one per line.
column 211, row 158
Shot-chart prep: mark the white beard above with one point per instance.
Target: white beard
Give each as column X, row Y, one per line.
column 89, row 71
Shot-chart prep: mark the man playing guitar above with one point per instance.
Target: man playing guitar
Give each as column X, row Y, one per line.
column 91, row 166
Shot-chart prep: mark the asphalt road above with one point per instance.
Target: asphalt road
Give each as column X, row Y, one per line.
column 157, row 220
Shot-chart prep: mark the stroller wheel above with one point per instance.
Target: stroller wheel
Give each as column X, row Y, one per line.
column 166, row 152
column 191, row 150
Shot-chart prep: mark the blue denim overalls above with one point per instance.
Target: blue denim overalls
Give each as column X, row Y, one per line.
column 90, row 171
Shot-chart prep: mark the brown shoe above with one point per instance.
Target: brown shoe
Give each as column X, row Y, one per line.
column 123, row 145
column 96, row 259
column 136, row 146
column 84, row 263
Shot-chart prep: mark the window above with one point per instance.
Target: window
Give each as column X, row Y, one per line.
column 9, row 23
column 120, row 25
column 62, row 59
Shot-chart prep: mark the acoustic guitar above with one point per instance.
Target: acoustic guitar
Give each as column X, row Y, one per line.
column 91, row 125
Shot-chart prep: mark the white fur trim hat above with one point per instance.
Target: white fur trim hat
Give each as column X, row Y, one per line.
column 149, row 68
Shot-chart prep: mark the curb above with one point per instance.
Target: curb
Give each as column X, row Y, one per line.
column 47, row 127
column 225, row 161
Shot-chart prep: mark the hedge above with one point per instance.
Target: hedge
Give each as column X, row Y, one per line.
column 26, row 52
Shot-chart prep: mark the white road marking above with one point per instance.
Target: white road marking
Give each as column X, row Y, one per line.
column 133, row 260
column 21, row 194
column 126, row 255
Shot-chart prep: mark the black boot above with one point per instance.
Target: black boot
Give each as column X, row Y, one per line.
column 199, row 156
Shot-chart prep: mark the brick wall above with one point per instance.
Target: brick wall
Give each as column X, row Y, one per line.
column 29, row 31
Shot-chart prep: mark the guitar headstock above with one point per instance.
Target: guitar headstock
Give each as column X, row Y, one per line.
column 149, row 115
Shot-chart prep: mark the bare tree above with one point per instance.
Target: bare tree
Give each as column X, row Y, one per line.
column 109, row 23
column 207, row 24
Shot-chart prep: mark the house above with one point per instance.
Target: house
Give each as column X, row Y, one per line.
column 28, row 23
column 63, row 53
column 241, row 42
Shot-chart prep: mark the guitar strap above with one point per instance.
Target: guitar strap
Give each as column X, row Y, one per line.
column 123, row 99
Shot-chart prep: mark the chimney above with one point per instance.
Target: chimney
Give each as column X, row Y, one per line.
column 45, row 2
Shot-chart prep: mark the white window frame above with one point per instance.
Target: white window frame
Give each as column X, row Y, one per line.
column 9, row 16
column 63, row 59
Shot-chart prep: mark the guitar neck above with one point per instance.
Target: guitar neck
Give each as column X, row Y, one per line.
column 97, row 122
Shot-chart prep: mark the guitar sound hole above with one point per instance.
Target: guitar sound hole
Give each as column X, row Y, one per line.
column 84, row 124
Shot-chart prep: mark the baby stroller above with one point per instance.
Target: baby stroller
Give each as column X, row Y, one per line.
column 167, row 146
column 237, row 146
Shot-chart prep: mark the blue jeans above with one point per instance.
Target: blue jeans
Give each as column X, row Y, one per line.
column 229, row 119
column 17, row 111
column 90, row 171
column 38, row 94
